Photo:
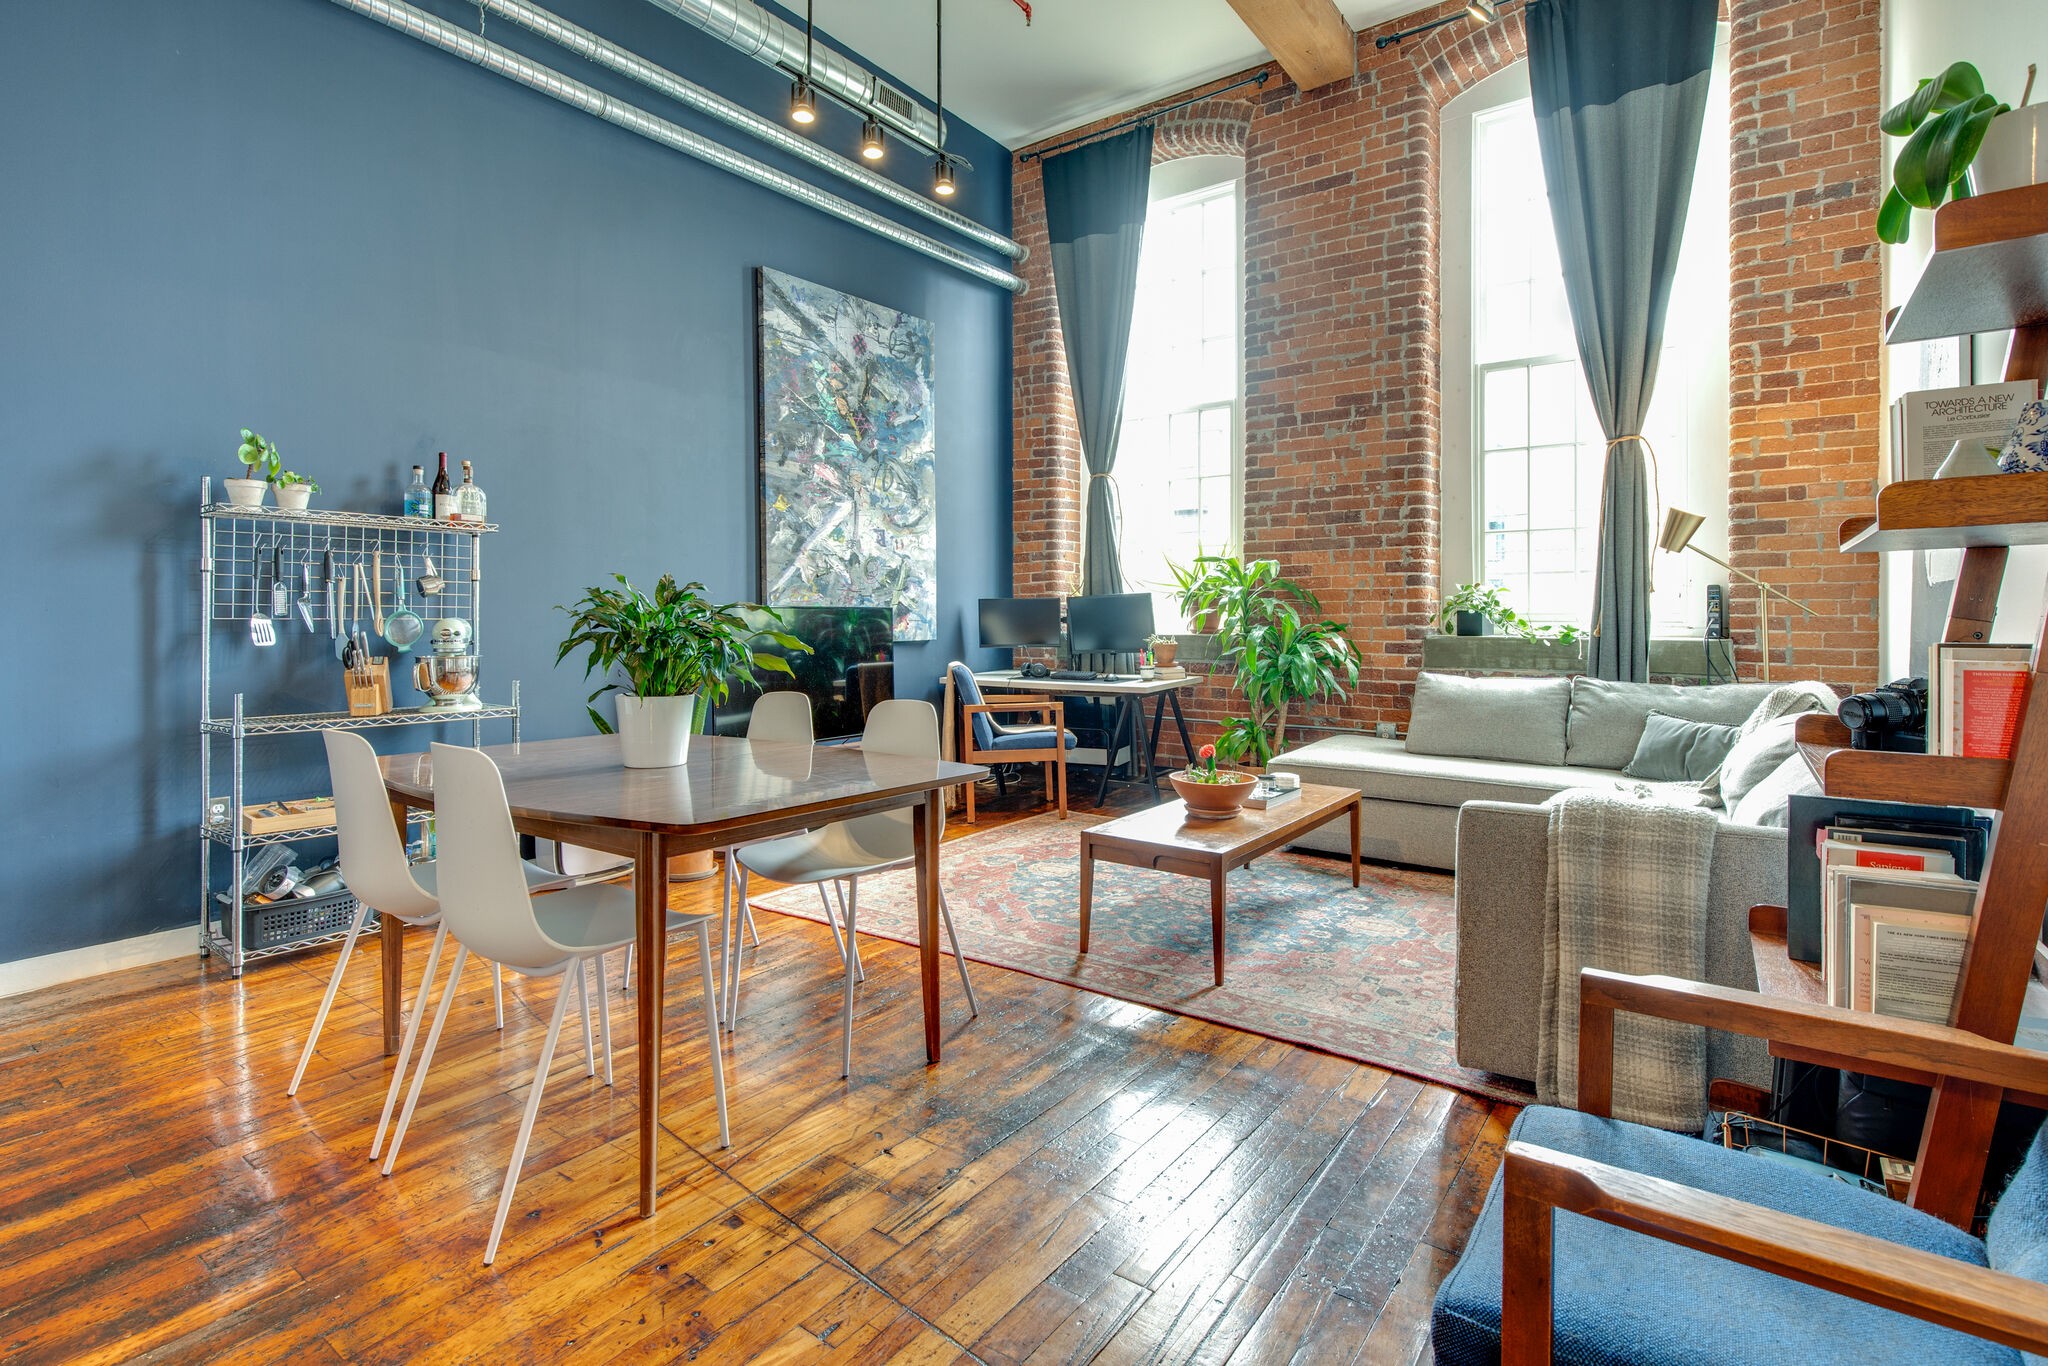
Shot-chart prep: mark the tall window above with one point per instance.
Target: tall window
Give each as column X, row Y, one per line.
column 1537, row 450
column 1177, row 462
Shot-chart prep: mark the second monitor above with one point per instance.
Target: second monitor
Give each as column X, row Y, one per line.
column 1112, row 623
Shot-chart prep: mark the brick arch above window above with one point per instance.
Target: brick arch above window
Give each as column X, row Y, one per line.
column 1209, row 128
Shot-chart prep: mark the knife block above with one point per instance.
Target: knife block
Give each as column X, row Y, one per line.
column 369, row 691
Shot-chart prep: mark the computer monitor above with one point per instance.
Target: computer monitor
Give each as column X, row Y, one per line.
column 1009, row 622
column 1115, row 623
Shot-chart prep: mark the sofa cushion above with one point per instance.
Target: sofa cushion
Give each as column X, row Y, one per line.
column 1606, row 718
column 1384, row 769
column 1621, row 1296
column 1767, row 803
column 1520, row 720
column 1674, row 750
column 1756, row 755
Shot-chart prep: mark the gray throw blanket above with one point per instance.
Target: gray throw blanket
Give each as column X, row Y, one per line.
column 1626, row 891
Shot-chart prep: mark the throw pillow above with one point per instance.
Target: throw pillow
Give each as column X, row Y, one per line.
column 1790, row 699
column 1520, row 720
column 1754, row 757
column 1766, row 804
column 1674, row 749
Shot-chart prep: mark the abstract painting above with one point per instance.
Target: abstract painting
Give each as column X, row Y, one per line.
column 849, row 498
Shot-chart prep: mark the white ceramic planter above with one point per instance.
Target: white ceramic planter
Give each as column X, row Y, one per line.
column 654, row 732
column 293, row 497
column 245, row 493
column 2015, row 151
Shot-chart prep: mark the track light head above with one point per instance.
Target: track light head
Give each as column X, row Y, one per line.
column 803, row 103
column 942, row 178
column 1482, row 11
column 871, row 139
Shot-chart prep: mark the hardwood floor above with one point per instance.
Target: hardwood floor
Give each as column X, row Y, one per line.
column 1080, row 1180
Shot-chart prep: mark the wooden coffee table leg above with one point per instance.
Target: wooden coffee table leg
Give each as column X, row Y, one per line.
column 1087, row 887
column 1216, row 881
column 1354, row 842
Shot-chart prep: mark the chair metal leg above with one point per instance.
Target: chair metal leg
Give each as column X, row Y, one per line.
column 412, row 1031
column 627, row 983
column 753, row 930
column 711, row 1026
column 860, row 971
column 540, row 1081
column 419, row 1075
column 959, row 958
column 348, row 946
column 732, row 980
column 846, row 1007
column 832, row 915
column 604, row 1017
column 498, row 992
column 582, row 971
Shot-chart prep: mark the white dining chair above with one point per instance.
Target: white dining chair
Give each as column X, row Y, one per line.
column 846, row 851
column 486, row 908
column 375, row 870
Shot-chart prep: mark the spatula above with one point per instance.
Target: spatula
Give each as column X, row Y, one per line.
column 261, row 632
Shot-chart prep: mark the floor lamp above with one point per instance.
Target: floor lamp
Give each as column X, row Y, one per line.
column 1679, row 528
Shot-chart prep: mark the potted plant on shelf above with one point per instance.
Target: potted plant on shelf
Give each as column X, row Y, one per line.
column 295, row 491
column 678, row 652
column 1269, row 637
column 1960, row 140
column 259, row 464
column 1213, row 793
column 1474, row 609
column 1165, row 649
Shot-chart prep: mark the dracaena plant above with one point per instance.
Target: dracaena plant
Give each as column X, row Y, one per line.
column 1943, row 122
column 1271, row 634
column 671, row 644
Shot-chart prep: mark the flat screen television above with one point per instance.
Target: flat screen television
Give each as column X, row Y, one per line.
column 850, row 668
column 1113, row 623
column 1010, row 622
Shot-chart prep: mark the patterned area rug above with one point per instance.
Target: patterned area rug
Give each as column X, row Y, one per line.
column 1366, row 973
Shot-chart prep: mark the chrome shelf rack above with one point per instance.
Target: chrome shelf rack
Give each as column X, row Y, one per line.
column 237, row 547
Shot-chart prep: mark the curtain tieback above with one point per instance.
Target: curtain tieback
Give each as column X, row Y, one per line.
column 1656, row 501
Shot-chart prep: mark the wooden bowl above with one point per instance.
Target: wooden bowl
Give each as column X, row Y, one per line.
column 1214, row 801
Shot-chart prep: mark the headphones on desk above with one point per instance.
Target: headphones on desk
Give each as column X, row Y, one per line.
column 1034, row 670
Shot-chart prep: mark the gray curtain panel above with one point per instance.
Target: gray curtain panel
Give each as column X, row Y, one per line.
column 1620, row 90
column 1095, row 212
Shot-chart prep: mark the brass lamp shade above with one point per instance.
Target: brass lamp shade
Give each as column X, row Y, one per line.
column 1679, row 528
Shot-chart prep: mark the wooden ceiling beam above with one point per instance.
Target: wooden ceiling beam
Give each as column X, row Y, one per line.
column 1309, row 38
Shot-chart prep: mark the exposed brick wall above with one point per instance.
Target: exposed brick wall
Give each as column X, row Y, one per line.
column 1805, row 396
column 1342, row 428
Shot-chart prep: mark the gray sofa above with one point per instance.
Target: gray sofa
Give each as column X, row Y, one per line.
column 1479, row 812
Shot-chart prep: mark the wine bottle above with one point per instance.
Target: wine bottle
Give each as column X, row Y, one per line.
column 418, row 502
column 469, row 499
column 444, row 493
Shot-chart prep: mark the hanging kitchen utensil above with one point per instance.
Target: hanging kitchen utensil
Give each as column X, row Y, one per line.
column 333, row 594
column 377, row 591
column 280, row 591
column 306, row 591
column 402, row 628
column 431, row 582
column 261, row 632
column 342, row 644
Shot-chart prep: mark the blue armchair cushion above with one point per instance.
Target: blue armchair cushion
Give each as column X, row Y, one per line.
column 987, row 734
column 1036, row 737
column 1625, row 1297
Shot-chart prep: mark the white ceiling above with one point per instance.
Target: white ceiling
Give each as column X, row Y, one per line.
column 1079, row 59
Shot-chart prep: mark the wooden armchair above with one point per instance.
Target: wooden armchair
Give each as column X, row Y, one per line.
column 985, row 740
column 1756, row 1235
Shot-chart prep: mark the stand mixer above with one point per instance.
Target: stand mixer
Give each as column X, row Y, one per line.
column 448, row 676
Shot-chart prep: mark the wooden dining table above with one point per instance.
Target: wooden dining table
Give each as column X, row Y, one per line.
column 731, row 791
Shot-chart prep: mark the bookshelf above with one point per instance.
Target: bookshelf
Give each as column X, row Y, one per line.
column 1989, row 271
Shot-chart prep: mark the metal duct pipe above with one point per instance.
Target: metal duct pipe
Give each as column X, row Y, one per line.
column 587, row 45
column 416, row 24
column 744, row 25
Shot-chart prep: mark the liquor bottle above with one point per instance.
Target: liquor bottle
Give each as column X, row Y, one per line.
column 444, row 493
column 418, row 502
column 469, row 499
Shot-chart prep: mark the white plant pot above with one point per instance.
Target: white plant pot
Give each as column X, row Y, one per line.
column 293, row 497
column 245, row 493
column 654, row 732
column 2015, row 151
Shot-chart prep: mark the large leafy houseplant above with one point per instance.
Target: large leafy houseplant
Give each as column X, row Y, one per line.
column 675, row 643
column 1943, row 122
column 1271, row 633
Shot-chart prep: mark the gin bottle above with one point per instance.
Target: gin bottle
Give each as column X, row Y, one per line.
column 469, row 499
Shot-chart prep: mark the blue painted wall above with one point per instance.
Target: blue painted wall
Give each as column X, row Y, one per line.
column 277, row 214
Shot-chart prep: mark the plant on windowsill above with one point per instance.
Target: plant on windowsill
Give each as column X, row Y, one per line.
column 1474, row 608
column 1211, row 792
column 1269, row 638
column 259, row 471
column 678, row 652
column 1960, row 141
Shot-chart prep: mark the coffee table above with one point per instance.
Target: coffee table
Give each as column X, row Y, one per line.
column 1166, row 839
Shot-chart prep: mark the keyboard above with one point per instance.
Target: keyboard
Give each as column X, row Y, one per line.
column 1076, row 676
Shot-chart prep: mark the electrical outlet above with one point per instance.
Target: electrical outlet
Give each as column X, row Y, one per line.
column 1386, row 730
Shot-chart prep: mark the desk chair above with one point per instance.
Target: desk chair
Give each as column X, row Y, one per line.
column 985, row 740
column 487, row 909
column 1671, row 1249
column 846, row 851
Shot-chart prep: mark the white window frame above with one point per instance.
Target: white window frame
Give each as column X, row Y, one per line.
column 1704, row 487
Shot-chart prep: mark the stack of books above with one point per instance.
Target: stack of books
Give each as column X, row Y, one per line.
column 1165, row 671
column 1269, row 793
column 1975, row 694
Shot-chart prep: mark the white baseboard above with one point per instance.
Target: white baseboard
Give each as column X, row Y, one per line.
column 54, row 969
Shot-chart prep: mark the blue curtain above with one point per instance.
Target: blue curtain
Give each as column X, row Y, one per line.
column 1620, row 91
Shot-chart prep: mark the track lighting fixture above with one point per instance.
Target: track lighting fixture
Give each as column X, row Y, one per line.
column 942, row 178
column 803, row 103
column 871, row 139
column 1482, row 11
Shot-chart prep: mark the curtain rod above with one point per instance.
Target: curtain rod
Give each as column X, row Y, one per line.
column 1479, row 12
column 1147, row 117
